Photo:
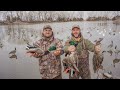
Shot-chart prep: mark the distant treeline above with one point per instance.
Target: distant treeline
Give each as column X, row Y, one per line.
column 12, row 17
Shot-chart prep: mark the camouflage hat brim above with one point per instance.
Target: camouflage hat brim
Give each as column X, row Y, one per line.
column 47, row 27
column 75, row 26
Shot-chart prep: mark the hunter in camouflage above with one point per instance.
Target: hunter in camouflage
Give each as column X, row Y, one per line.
column 50, row 62
column 81, row 47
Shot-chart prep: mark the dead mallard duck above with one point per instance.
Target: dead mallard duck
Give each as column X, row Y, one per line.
column 34, row 49
column 116, row 51
column 71, row 61
column 97, row 62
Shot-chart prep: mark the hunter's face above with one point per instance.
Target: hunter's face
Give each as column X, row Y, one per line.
column 47, row 33
column 76, row 32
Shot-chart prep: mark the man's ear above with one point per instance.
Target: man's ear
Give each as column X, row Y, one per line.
column 52, row 33
column 80, row 34
column 72, row 34
column 42, row 34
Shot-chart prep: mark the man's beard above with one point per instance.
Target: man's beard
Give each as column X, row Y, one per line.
column 79, row 35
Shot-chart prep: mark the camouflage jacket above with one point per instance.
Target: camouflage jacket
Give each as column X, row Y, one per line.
column 83, row 44
column 82, row 48
column 49, row 65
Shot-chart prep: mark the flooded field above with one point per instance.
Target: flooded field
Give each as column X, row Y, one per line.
column 25, row 67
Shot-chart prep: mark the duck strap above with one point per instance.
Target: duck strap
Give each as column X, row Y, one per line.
column 83, row 44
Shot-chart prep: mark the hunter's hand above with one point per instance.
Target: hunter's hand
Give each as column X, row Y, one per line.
column 97, row 48
column 57, row 52
column 33, row 54
column 71, row 48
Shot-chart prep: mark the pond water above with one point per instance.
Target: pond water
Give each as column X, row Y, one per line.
column 25, row 67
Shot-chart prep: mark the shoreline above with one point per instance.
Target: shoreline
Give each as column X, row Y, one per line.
column 117, row 22
column 29, row 23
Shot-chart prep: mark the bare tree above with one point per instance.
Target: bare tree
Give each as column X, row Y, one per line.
column 31, row 16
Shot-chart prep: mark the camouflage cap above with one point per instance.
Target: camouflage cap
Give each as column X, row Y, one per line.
column 47, row 27
column 75, row 26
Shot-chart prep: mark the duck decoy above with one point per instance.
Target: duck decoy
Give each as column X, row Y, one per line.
column 111, row 45
column 1, row 45
column 115, row 61
column 116, row 51
column 98, row 41
column 13, row 56
column 103, row 51
column 114, row 34
column 111, row 52
column 13, row 52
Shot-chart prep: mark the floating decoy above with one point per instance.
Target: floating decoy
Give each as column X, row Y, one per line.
column 103, row 51
column 13, row 56
column 116, row 51
column 111, row 52
column 1, row 45
column 98, row 41
column 13, row 52
column 111, row 45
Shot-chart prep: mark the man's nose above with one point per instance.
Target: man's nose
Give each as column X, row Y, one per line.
column 47, row 32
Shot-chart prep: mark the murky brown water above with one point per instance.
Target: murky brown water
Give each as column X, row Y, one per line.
column 25, row 67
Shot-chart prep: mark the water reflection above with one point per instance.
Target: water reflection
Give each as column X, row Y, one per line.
column 18, row 35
